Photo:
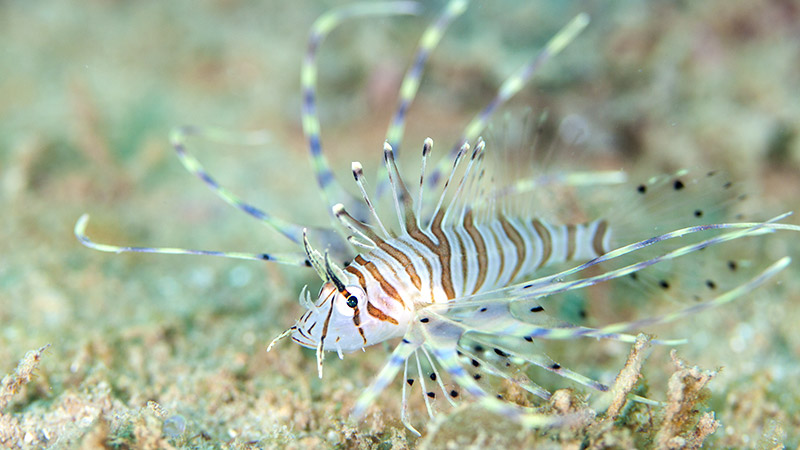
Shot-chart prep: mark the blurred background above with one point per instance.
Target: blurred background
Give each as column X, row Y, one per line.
column 89, row 92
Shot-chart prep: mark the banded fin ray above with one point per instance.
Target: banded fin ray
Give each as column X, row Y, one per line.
column 411, row 80
column 331, row 190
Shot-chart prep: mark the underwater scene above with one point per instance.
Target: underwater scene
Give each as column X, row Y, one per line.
column 591, row 128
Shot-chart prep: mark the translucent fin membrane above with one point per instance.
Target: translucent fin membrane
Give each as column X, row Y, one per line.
column 656, row 205
column 529, row 172
column 511, row 86
column 484, row 364
column 518, row 352
column 442, row 339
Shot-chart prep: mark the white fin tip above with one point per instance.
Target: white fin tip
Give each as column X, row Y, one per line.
column 427, row 145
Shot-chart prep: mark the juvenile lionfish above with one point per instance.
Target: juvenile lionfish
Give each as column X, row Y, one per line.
column 456, row 286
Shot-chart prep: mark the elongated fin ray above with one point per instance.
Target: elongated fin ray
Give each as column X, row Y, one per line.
column 404, row 401
column 464, row 149
column 727, row 297
column 539, row 289
column 332, row 191
column 354, row 241
column 473, row 190
column 396, row 360
column 437, row 375
column 314, row 258
column 494, row 318
column 423, row 386
column 427, row 147
column 441, row 338
column 298, row 259
column 476, row 153
column 540, row 360
column 402, row 198
column 358, row 175
column 485, row 366
column 408, row 89
column 508, row 325
column 192, row 164
column 442, row 341
column 411, row 81
column 335, row 273
column 618, row 328
column 511, row 86
column 527, row 417
column 354, row 225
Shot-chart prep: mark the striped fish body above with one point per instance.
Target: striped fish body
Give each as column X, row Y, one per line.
column 441, row 264
column 471, row 258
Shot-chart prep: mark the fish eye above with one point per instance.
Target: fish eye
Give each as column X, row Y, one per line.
column 351, row 296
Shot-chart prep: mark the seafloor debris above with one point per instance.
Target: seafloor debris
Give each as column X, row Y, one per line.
column 10, row 430
column 681, row 422
column 683, row 426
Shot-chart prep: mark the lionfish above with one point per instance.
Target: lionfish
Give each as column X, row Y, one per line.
column 456, row 286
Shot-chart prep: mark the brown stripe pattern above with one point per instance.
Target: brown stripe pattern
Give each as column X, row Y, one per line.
column 463, row 250
column 376, row 274
column 519, row 244
column 380, row 315
column 403, row 259
column 571, row 234
column 440, row 249
column 361, row 279
column 371, row 309
column 599, row 235
column 480, row 247
column 398, row 255
column 547, row 241
column 500, row 253
column 443, row 252
column 497, row 238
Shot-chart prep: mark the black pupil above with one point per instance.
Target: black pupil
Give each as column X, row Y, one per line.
column 352, row 301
